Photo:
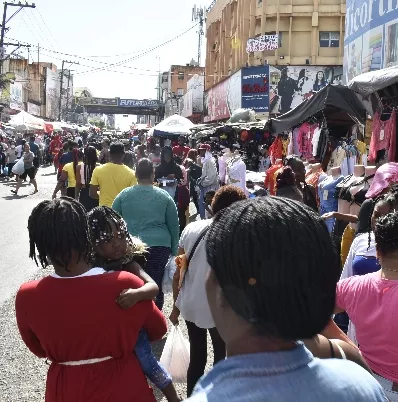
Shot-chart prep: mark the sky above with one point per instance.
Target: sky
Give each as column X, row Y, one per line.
column 117, row 31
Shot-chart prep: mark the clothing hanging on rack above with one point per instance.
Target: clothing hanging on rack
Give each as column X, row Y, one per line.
column 314, row 178
column 269, row 182
column 383, row 137
column 305, row 134
column 326, row 194
column 236, row 173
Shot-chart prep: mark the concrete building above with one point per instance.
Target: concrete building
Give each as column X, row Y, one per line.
column 296, row 38
column 174, row 85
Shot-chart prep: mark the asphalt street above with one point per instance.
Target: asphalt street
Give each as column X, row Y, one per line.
column 23, row 375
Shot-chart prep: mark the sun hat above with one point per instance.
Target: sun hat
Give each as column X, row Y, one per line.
column 385, row 175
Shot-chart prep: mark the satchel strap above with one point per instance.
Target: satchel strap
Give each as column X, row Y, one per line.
column 195, row 246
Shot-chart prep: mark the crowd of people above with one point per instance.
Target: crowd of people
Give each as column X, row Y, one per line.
column 262, row 277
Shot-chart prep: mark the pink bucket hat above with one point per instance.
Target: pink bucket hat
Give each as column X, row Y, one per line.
column 385, row 175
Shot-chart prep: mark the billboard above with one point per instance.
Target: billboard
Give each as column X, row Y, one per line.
column 255, row 88
column 223, row 99
column 98, row 101
column 192, row 101
column 371, row 36
column 145, row 103
column 52, row 94
column 291, row 85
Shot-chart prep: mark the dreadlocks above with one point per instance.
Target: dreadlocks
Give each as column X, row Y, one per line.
column 90, row 160
column 56, row 228
column 276, row 266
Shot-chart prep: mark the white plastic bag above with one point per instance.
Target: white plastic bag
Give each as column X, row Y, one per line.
column 175, row 355
column 169, row 271
column 19, row 167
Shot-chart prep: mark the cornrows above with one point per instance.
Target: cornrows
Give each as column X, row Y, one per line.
column 56, row 229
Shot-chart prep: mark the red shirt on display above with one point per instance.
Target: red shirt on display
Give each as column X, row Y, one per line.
column 269, row 182
column 75, row 319
column 181, row 151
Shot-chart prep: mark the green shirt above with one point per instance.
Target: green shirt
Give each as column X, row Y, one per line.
column 150, row 214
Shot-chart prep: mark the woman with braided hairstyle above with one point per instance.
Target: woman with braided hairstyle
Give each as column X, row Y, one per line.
column 371, row 300
column 272, row 282
column 71, row 319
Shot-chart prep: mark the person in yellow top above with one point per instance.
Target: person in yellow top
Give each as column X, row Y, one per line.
column 68, row 175
column 112, row 177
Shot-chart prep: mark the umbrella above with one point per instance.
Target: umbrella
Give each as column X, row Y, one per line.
column 25, row 121
column 173, row 125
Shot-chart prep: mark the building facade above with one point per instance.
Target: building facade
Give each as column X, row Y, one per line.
column 191, row 104
column 174, row 85
column 300, row 40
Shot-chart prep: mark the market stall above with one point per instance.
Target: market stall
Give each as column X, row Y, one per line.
column 24, row 121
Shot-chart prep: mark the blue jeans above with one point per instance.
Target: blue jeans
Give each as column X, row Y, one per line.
column 149, row 364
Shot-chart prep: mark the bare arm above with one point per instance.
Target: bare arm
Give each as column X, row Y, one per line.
column 129, row 297
column 61, row 183
column 341, row 217
column 175, row 313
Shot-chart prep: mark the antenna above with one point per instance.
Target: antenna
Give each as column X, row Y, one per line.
column 199, row 15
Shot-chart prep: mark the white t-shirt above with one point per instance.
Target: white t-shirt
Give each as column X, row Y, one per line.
column 192, row 299
column 19, row 150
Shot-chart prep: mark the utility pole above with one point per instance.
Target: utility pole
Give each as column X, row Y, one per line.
column 38, row 73
column 5, row 21
column 61, row 87
column 199, row 15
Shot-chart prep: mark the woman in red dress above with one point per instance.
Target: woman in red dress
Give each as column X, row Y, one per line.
column 71, row 317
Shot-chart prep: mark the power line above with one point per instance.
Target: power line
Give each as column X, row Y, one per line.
column 48, row 29
column 37, row 24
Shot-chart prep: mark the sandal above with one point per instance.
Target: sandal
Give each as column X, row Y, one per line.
column 14, row 192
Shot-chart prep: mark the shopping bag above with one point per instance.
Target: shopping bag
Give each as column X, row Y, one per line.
column 169, row 271
column 175, row 355
column 19, row 167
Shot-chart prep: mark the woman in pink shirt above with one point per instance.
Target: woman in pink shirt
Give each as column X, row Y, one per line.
column 371, row 300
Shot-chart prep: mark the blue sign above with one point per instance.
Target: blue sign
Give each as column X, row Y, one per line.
column 145, row 103
column 255, row 88
column 371, row 36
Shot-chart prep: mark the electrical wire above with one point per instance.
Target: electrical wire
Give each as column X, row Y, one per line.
column 48, row 29
column 37, row 24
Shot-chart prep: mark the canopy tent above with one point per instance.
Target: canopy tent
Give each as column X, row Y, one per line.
column 371, row 87
column 24, row 121
column 338, row 104
column 173, row 125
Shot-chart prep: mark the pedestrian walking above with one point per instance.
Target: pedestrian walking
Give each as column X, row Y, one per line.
column 151, row 215
column 30, row 170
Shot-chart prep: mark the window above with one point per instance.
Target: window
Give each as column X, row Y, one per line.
column 180, row 92
column 181, row 75
column 329, row 39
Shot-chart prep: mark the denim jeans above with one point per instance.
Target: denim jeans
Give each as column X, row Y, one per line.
column 149, row 364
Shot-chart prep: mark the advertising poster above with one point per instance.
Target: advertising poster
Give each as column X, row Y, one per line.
column 291, row 85
column 223, row 99
column 371, row 36
column 16, row 101
column 52, row 94
column 255, row 88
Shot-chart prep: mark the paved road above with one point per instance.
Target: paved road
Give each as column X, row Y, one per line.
column 16, row 267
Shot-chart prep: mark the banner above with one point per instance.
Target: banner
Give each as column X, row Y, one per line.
column 98, row 101
column 146, row 103
column 16, row 102
column 33, row 109
column 255, row 88
column 371, row 36
column 291, row 85
column 52, row 94
column 261, row 43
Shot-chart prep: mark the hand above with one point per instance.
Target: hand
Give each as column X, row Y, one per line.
column 328, row 215
column 128, row 298
column 174, row 316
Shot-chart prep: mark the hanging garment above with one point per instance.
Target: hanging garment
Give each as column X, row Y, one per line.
column 276, row 150
column 383, row 137
column 314, row 178
column 285, row 146
column 290, row 148
column 305, row 134
column 296, row 146
column 236, row 169
column 269, row 182
column 328, row 201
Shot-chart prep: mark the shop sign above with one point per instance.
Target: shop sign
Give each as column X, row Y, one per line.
column 371, row 33
column 145, row 103
column 261, row 43
column 33, row 109
column 255, row 88
column 16, row 96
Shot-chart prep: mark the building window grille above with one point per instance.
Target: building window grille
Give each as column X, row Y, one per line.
column 329, row 39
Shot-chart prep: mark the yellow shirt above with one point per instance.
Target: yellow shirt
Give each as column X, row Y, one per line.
column 68, row 168
column 112, row 179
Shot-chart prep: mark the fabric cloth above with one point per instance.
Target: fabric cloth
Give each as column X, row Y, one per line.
column 293, row 375
column 112, row 179
column 79, row 327
column 236, row 170
column 181, row 151
column 156, row 263
column 69, row 170
column 198, row 352
column 192, row 299
column 150, row 214
column 371, row 296
column 313, row 179
column 385, row 175
column 269, row 181
column 328, row 201
column 383, row 137
column 276, row 150
column 304, row 138
column 346, row 241
column 362, row 265
column 387, row 386
column 222, row 167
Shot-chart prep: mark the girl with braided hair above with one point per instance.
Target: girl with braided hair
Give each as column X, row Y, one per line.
column 272, row 282
column 69, row 318
column 375, row 295
column 116, row 250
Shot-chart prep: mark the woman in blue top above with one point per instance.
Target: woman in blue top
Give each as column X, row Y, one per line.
column 151, row 215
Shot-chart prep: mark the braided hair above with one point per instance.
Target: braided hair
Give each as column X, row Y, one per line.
column 90, row 160
column 386, row 233
column 391, row 199
column 56, row 228
column 276, row 266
